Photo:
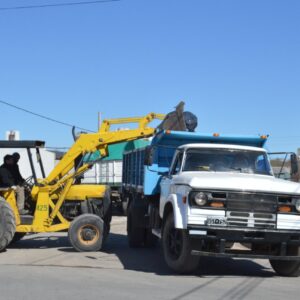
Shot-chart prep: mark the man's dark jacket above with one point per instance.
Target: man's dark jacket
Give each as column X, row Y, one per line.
column 15, row 172
column 6, row 177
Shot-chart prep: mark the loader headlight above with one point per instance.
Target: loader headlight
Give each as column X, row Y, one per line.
column 200, row 198
column 297, row 204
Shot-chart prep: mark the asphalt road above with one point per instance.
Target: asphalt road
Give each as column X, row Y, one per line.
column 45, row 267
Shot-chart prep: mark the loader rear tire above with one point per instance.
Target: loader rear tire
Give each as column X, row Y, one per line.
column 86, row 233
column 7, row 224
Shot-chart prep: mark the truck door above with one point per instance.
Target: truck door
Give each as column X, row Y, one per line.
column 166, row 181
column 285, row 165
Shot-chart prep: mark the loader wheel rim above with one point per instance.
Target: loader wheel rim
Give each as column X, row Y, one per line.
column 88, row 234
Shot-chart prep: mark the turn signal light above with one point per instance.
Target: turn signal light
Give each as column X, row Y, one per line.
column 264, row 137
column 217, row 204
column 168, row 131
column 216, row 134
column 284, row 209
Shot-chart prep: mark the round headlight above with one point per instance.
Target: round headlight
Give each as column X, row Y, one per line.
column 297, row 205
column 200, row 199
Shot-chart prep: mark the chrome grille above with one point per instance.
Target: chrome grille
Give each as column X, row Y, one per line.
column 251, row 220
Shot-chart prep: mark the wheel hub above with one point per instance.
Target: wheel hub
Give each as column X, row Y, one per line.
column 175, row 243
column 88, row 234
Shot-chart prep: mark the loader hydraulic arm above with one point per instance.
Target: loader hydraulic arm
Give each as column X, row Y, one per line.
column 91, row 142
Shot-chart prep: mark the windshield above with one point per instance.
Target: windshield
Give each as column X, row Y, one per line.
column 227, row 160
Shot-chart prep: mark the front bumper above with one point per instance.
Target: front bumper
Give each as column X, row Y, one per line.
column 271, row 244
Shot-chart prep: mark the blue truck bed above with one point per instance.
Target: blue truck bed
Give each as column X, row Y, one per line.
column 145, row 179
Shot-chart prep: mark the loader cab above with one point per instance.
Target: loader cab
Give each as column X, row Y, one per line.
column 7, row 193
column 7, row 147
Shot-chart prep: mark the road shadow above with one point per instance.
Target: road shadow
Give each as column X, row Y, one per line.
column 226, row 267
column 36, row 241
column 149, row 260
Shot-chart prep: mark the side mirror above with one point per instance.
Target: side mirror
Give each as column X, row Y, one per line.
column 149, row 154
column 294, row 164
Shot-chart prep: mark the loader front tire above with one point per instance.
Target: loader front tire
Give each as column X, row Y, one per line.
column 86, row 233
column 7, row 224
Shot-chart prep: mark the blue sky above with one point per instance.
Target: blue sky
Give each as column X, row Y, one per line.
column 236, row 65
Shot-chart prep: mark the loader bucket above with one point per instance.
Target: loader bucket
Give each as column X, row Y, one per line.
column 178, row 120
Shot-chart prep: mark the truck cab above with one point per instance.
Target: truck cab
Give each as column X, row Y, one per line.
column 213, row 168
column 212, row 195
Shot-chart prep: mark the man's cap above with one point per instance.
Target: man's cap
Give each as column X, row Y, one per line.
column 7, row 157
column 16, row 155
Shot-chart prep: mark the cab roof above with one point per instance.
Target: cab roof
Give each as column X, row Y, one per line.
column 221, row 146
column 22, row 144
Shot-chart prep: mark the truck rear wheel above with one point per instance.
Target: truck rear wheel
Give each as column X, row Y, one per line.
column 177, row 248
column 150, row 239
column 7, row 224
column 124, row 207
column 107, row 220
column 288, row 268
column 135, row 234
column 86, row 233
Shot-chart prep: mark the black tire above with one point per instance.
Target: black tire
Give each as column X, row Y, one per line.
column 125, row 207
column 18, row 236
column 177, row 248
column 150, row 239
column 7, row 224
column 107, row 220
column 288, row 268
column 135, row 234
column 86, row 233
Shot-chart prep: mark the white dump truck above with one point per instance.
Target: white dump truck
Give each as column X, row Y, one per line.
column 211, row 195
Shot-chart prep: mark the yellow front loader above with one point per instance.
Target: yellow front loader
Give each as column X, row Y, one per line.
column 57, row 202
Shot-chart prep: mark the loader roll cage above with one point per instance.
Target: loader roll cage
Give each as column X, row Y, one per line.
column 28, row 145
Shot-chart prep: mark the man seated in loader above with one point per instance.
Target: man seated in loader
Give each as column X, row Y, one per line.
column 15, row 171
column 7, row 180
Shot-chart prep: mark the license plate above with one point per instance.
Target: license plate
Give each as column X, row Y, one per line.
column 216, row 221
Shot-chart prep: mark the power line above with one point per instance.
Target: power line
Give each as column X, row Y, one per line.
column 57, row 4
column 42, row 116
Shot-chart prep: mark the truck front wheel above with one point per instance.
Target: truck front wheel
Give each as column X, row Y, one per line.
column 177, row 248
column 288, row 268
